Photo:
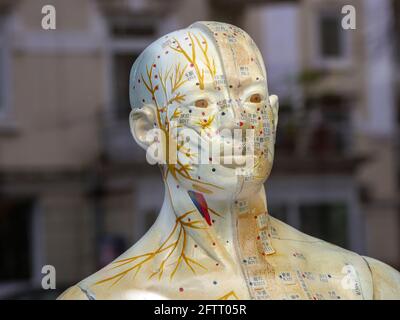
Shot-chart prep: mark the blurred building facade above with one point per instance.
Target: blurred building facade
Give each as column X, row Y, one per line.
column 75, row 190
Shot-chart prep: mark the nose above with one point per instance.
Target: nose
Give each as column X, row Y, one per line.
column 237, row 116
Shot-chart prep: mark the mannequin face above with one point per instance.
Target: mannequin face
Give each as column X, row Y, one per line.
column 203, row 92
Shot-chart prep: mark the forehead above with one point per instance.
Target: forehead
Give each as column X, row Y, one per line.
column 236, row 54
column 208, row 54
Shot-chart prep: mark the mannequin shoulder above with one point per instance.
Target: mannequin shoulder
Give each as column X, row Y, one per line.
column 73, row 293
column 76, row 293
column 386, row 280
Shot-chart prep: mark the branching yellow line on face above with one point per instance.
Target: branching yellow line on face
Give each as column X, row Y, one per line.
column 176, row 80
column 192, row 58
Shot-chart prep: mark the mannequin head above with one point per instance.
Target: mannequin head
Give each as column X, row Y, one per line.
column 201, row 107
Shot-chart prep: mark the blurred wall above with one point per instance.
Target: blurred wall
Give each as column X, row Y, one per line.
column 75, row 190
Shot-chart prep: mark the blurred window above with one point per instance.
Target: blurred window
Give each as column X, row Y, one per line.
column 288, row 126
column 122, row 63
column 331, row 44
column 129, row 37
column 327, row 221
column 329, row 122
column 127, row 31
column 15, row 239
column 2, row 66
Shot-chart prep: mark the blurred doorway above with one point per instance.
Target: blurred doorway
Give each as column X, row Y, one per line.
column 17, row 244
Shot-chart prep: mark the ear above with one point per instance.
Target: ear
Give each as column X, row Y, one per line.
column 274, row 103
column 141, row 122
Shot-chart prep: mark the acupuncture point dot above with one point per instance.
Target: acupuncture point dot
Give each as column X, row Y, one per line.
column 213, row 169
column 180, row 289
column 214, row 282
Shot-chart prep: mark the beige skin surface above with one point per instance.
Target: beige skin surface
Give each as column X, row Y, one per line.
column 214, row 238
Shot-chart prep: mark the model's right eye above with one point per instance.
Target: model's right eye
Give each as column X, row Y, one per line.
column 201, row 103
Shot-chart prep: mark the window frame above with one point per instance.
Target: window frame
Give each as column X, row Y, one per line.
column 5, row 74
column 341, row 62
column 116, row 46
column 15, row 287
column 314, row 190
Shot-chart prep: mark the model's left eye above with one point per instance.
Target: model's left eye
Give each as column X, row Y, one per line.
column 255, row 98
column 201, row 103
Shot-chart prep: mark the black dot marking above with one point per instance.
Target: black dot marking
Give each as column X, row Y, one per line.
column 215, row 282
column 223, row 113
column 213, row 169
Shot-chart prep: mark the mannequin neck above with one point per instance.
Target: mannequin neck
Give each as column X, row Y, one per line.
column 218, row 235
